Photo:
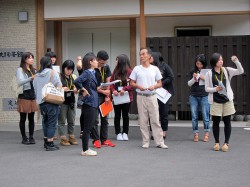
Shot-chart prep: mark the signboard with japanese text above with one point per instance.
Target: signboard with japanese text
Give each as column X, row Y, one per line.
column 9, row 104
column 11, row 54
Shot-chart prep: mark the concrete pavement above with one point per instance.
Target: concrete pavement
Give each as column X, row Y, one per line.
column 185, row 163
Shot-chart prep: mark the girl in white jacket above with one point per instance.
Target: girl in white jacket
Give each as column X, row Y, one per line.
column 220, row 96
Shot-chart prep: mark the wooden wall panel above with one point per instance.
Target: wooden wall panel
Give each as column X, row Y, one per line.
column 180, row 52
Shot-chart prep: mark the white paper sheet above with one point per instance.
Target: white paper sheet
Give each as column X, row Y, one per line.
column 121, row 99
column 109, row 83
column 163, row 95
column 56, row 68
column 203, row 72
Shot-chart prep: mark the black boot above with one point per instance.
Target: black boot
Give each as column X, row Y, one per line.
column 25, row 141
column 50, row 146
column 32, row 140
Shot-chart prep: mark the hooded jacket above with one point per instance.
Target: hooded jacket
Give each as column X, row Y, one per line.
column 43, row 78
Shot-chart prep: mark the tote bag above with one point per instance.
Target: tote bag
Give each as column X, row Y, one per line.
column 51, row 94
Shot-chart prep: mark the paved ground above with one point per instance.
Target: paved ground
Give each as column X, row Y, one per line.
column 184, row 164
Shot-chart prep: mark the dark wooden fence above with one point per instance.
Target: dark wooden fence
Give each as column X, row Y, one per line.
column 180, row 52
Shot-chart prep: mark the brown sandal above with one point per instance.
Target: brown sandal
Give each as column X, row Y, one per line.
column 206, row 137
column 196, row 137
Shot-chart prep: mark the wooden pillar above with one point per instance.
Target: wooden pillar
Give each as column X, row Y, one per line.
column 132, row 22
column 40, row 30
column 58, row 41
column 142, row 25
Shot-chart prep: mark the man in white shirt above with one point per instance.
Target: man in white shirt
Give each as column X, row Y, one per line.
column 146, row 78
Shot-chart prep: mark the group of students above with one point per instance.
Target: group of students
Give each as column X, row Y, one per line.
column 214, row 98
column 152, row 73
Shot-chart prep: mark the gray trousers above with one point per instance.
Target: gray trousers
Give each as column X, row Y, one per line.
column 66, row 113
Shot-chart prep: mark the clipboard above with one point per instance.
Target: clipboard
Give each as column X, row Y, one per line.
column 106, row 108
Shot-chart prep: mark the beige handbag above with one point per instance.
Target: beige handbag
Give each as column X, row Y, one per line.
column 52, row 94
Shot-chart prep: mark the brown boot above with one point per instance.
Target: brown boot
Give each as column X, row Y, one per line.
column 72, row 140
column 64, row 141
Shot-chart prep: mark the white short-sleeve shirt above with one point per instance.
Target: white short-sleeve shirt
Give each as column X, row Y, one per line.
column 145, row 77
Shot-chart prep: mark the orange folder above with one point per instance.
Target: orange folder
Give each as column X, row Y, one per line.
column 106, row 108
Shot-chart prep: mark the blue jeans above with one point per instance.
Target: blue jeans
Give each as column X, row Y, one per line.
column 50, row 116
column 197, row 103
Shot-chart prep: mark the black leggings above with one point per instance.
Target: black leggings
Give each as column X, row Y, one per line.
column 227, row 128
column 31, row 123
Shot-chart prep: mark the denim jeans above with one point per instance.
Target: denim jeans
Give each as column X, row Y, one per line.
column 197, row 103
column 50, row 116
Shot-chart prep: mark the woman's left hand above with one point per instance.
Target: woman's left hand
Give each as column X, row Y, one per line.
column 234, row 59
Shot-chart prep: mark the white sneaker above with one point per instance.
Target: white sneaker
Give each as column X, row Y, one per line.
column 145, row 146
column 125, row 137
column 119, row 137
column 163, row 146
column 89, row 152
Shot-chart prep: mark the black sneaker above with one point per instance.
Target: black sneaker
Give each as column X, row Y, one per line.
column 45, row 142
column 25, row 141
column 32, row 140
column 50, row 146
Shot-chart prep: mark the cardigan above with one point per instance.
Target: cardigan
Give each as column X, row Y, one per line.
column 232, row 72
column 23, row 79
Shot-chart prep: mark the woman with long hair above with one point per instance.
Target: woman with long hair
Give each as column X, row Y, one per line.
column 122, row 72
column 198, row 98
column 27, row 100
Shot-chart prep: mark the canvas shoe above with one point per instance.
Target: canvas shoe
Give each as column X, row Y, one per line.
column 108, row 143
column 225, row 147
column 145, row 146
column 97, row 144
column 119, row 137
column 125, row 137
column 163, row 146
column 89, row 152
column 216, row 146
column 50, row 146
